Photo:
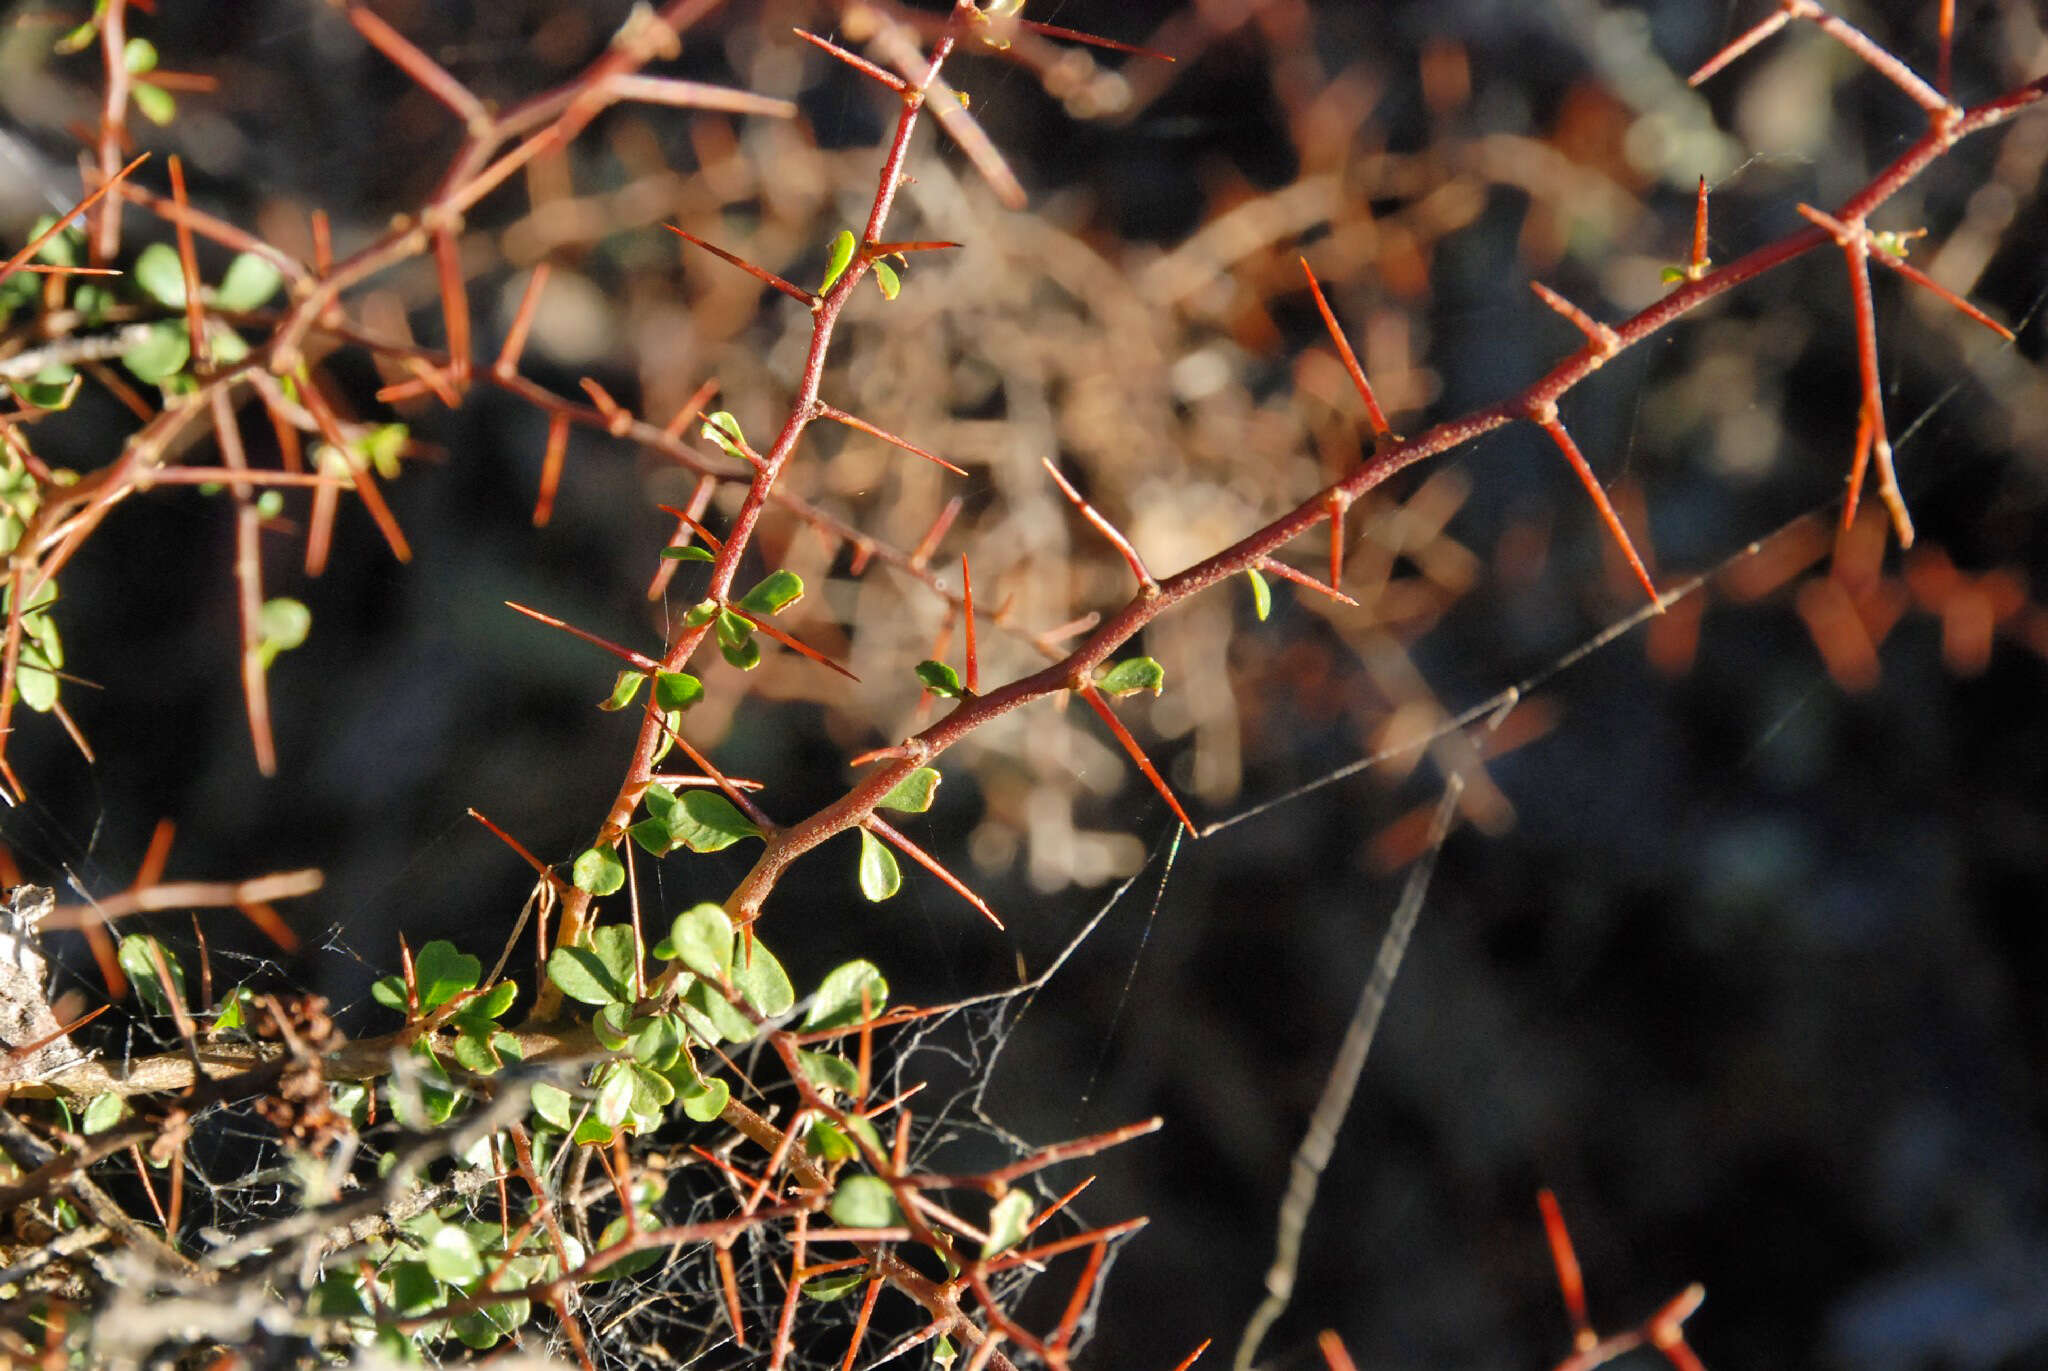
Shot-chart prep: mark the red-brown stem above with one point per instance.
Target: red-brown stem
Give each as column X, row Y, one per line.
column 638, row 661
column 430, row 75
column 1571, row 1283
column 1136, row 753
column 106, row 236
column 802, row 410
column 551, row 462
column 188, row 265
column 840, row 416
column 249, row 584
column 1696, row 265
column 1945, row 31
column 857, row 62
column 967, row 618
column 882, row 829
column 793, row 291
column 515, row 337
column 1105, row 528
column 1373, row 413
column 1335, row 1355
column 1597, row 333
column 852, row 808
column 35, row 244
column 1276, row 567
column 1547, row 420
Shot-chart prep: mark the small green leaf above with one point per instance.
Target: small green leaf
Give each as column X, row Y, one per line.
column 1671, row 276
column 615, row 1094
column 887, row 279
column 736, row 641
column 864, row 1202
column 702, row 937
column 493, row 1003
column 712, row 1017
column 828, row 1142
column 442, row 973
column 250, row 282
column 944, row 1353
column 840, row 258
column 616, row 947
column 689, row 552
column 598, row 871
column 389, row 991
column 708, row 822
column 283, row 624
column 701, row 613
column 139, row 56
column 582, row 975
column 609, row 1026
column 708, row 1101
column 162, row 353
column 761, row 980
column 382, row 446
column 880, row 877
column 1006, row 1222
column 653, row 836
column 660, row 802
column 839, row 1284
column 631, row 1263
column 828, row 1071
column 38, row 689
column 913, row 794
column 623, row 690
column 137, row 956
column 413, row 1288
column 452, row 1256
column 592, row 1130
column 657, row 1042
column 157, row 104
column 554, row 1105
column 775, row 592
column 103, row 1113
column 838, row 1001
column 677, row 689
column 941, row 679
column 52, row 388
column 475, row 1051
column 1130, row 676
column 160, row 275
column 1262, row 594
column 721, row 428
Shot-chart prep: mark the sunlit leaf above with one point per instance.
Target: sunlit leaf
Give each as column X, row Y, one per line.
column 776, row 591
column 941, row 679
column 250, row 281
column 838, row 1001
column 880, row 877
column 442, row 973
column 1262, row 594
column 761, row 981
column 623, row 690
column 1130, row 676
column 1007, row 1221
column 708, row 822
column 598, row 871
column 702, row 939
column 840, row 258
column 864, row 1202
column 913, row 794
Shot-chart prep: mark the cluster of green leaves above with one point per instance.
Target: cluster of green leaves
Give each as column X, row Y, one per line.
column 720, row 985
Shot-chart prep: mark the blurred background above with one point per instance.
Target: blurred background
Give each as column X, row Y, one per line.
column 1739, row 944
